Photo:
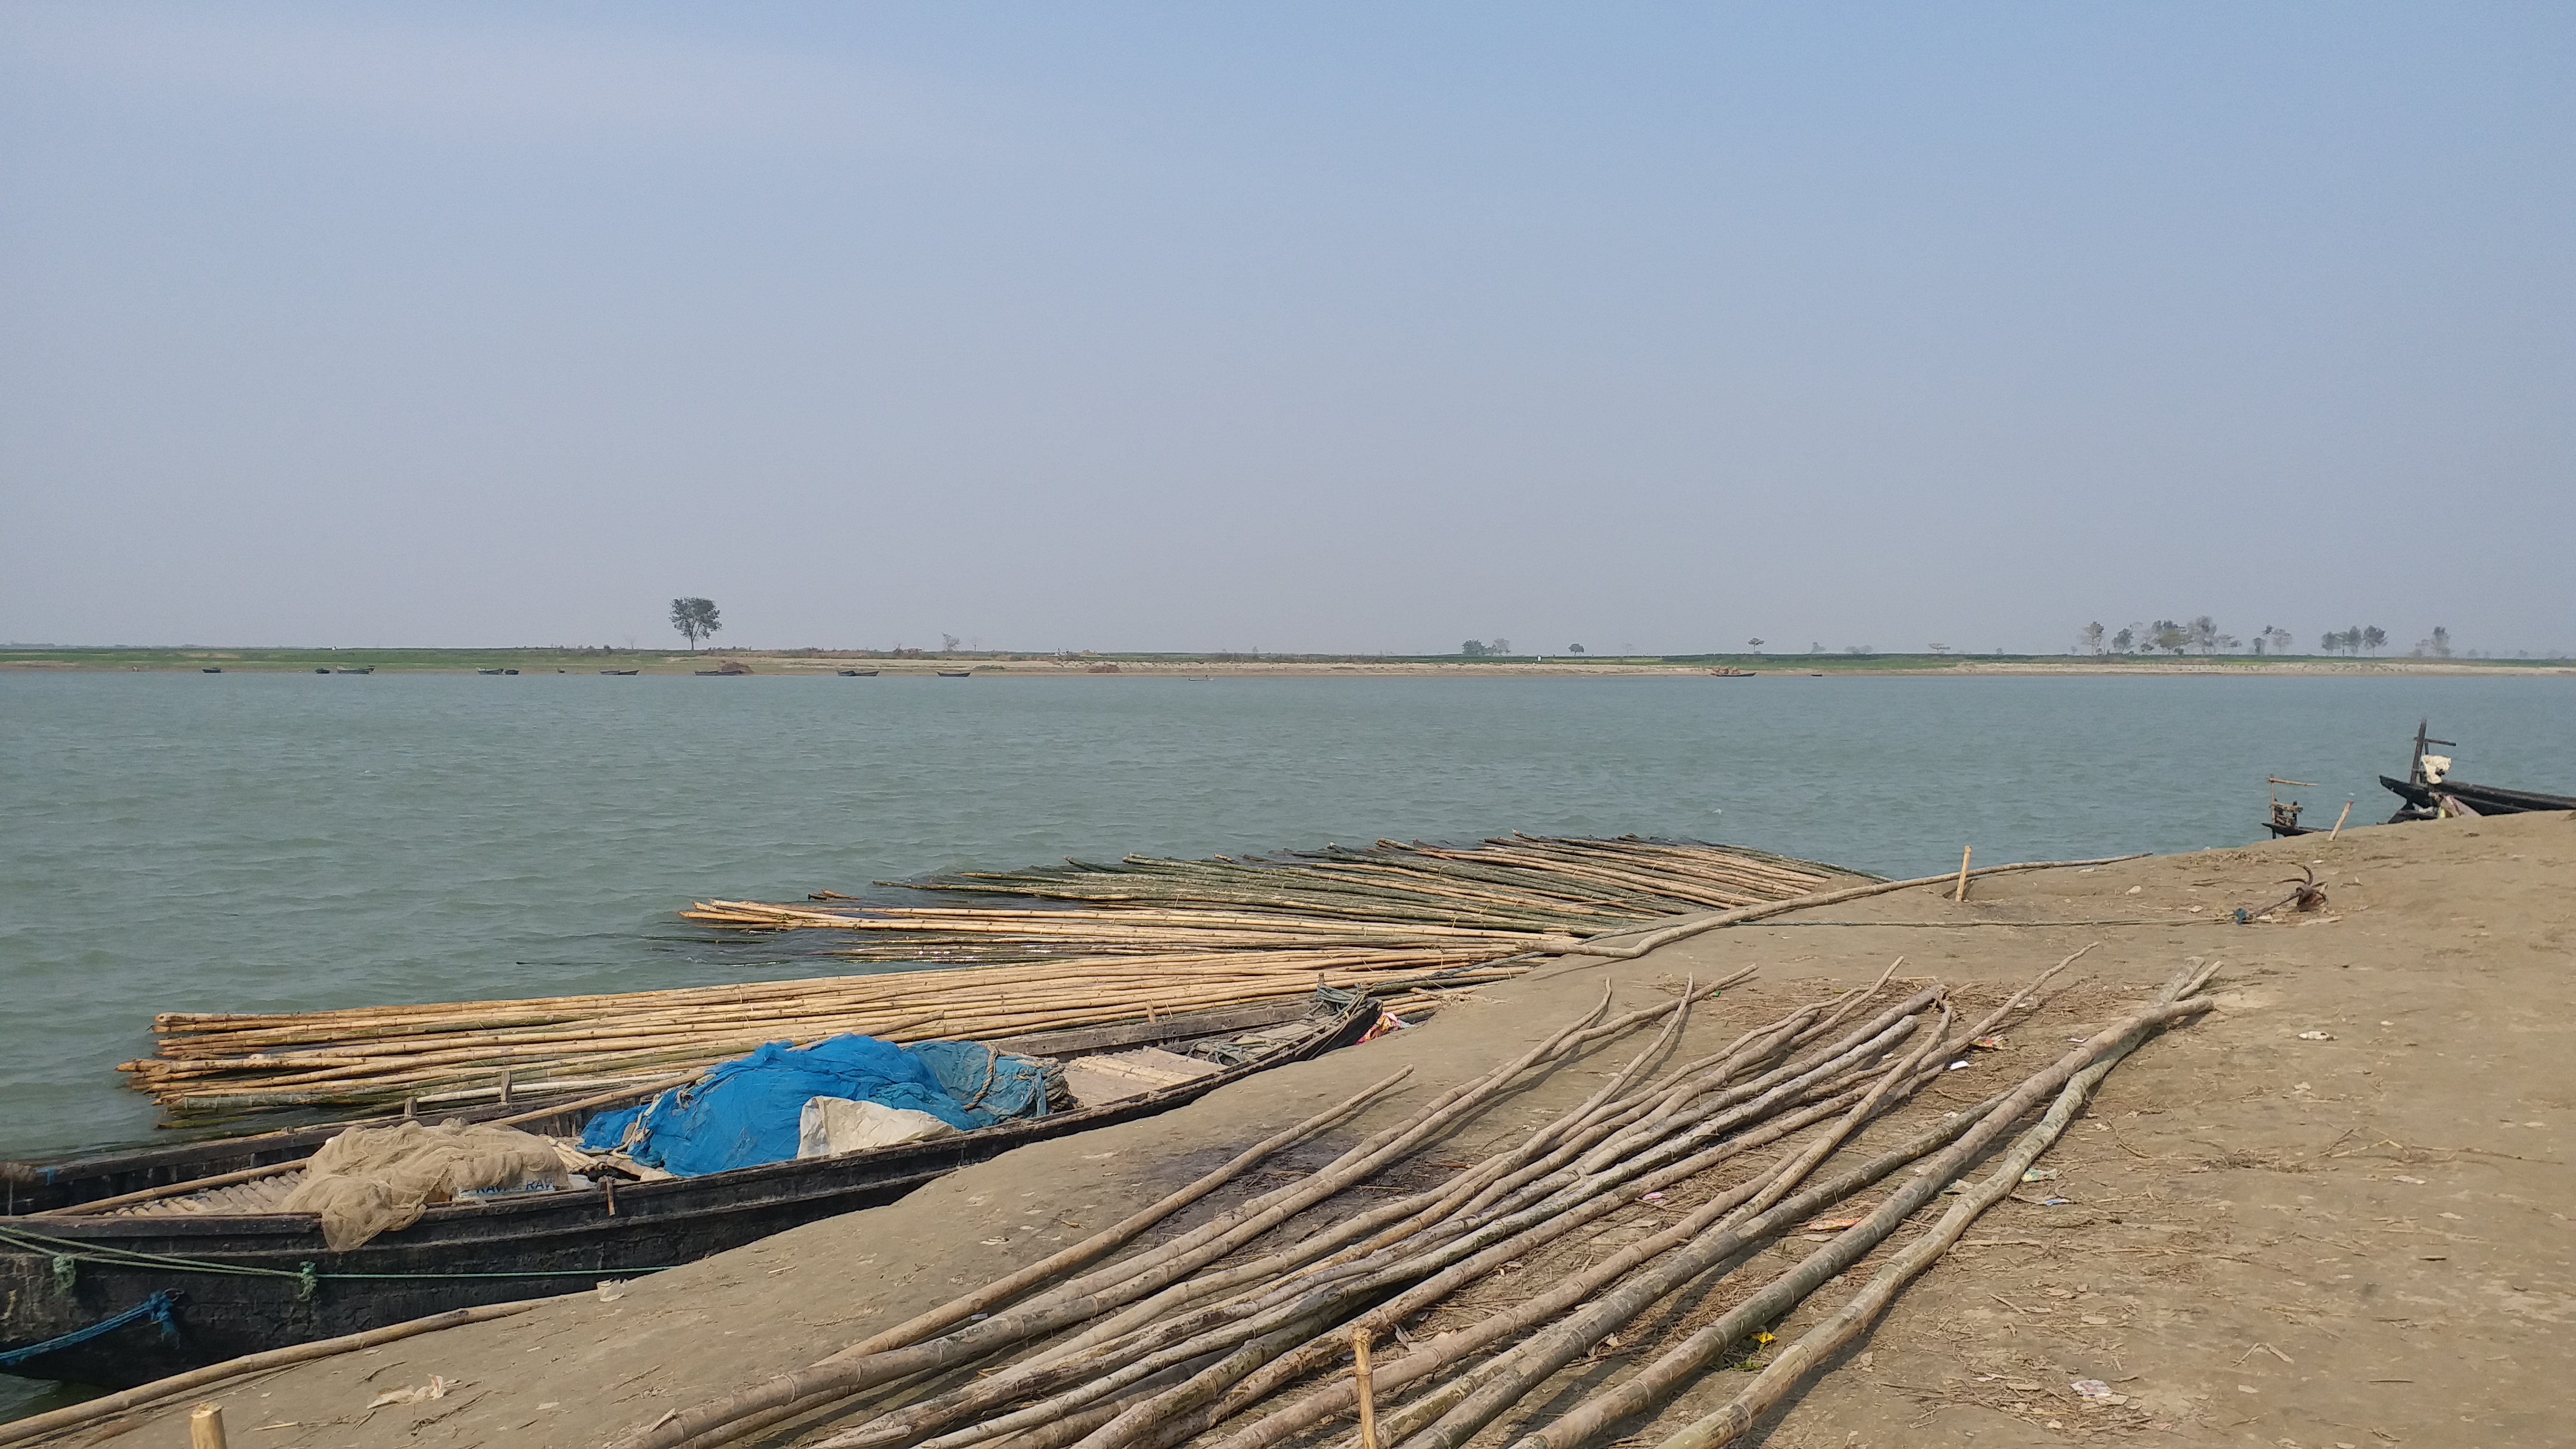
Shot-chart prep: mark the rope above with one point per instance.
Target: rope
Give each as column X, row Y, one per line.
column 156, row 1307
column 992, row 1069
column 307, row 1279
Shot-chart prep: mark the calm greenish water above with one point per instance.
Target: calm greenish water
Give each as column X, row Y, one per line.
column 259, row 842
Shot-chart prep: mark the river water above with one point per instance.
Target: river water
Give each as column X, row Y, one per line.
column 268, row 841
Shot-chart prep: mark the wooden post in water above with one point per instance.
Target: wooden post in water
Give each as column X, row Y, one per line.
column 1961, row 893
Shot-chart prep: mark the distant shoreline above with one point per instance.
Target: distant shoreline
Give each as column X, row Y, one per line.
column 829, row 663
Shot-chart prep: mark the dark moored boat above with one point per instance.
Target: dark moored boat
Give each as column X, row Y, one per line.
column 173, row 1290
column 858, row 674
column 2429, row 791
column 2425, row 800
column 956, row 673
column 617, row 671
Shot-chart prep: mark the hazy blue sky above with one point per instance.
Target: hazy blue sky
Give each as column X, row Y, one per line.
column 1290, row 327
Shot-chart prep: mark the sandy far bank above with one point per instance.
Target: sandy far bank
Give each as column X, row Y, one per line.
column 2336, row 1212
column 541, row 663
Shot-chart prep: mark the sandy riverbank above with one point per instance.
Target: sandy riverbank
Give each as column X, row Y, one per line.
column 2362, row 1239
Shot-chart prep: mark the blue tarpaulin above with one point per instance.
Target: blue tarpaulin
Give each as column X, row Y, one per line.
column 744, row 1112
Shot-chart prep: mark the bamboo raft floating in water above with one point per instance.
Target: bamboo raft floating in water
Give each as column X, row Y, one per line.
column 1079, row 945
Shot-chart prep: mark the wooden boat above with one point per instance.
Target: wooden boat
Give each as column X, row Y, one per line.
column 1732, row 673
column 956, row 673
column 858, row 674
column 2429, row 791
column 163, row 1287
column 487, row 671
column 2424, row 801
column 2285, row 813
column 211, row 669
column 621, row 671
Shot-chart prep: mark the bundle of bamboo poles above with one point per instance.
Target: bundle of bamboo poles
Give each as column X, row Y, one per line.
column 456, row 1053
column 1524, row 893
column 1084, row 945
column 1235, row 1333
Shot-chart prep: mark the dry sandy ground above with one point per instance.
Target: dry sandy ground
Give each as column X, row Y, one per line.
column 2333, row 1214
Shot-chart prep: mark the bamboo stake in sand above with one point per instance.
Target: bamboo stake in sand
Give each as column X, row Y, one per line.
column 1961, row 893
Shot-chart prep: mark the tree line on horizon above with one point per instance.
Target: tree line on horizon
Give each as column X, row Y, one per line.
column 698, row 619
column 2203, row 636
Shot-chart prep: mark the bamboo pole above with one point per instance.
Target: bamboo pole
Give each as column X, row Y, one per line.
column 1360, row 1386
column 1665, row 936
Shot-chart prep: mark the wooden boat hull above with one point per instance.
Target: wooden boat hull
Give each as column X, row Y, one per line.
column 259, row 1282
column 2484, row 799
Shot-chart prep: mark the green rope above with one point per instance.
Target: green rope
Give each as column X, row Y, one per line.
column 68, row 1255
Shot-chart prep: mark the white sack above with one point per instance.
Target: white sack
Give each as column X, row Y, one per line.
column 830, row 1126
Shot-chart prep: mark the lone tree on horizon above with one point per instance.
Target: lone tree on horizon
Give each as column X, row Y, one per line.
column 696, row 619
